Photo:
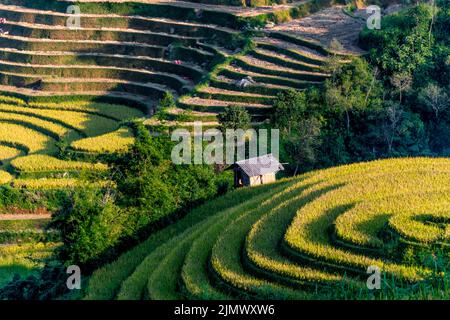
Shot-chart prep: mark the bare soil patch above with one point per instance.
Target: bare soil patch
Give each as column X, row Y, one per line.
column 15, row 213
column 326, row 25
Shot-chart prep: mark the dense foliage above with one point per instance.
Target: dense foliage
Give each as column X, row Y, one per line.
column 147, row 193
column 396, row 104
column 412, row 54
column 150, row 191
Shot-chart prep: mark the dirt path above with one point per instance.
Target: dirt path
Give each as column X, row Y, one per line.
column 239, row 11
column 249, row 59
column 30, row 92
column 24, row 216
column 92, row 15
column 290, row 46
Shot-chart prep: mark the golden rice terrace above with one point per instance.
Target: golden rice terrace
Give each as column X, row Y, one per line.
column 76, row 80
column 294, row 238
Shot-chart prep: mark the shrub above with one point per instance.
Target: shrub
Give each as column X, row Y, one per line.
column 234, row 117
column 90, row 224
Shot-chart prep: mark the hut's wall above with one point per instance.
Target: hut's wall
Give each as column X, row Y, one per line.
column 267, row 178
column 242, row 179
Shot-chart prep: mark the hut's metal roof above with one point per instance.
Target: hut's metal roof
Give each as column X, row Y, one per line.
column 260, row 166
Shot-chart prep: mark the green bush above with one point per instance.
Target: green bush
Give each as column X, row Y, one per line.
column 151, row 191
column 10, row 197
column 90, row 224
column 234, row 117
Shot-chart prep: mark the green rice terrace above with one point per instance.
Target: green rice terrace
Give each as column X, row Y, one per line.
column 140, row 58
column 76, row 86
column 293, row 239
column 66, row 95
column 85, row 150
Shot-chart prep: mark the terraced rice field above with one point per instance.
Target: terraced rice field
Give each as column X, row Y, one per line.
column 139, row 52
column 66, row 93
column 115, row 141
column 30, row 134
column 25, row 243
column 29, row 137
column 291, row 239
column 277, row 62
column 130, row 57
column 137, row 57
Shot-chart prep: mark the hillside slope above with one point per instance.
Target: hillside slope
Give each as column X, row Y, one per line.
column 67, row 93
column 138, row 51
column 293, row 238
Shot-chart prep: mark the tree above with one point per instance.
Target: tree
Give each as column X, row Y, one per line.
column 355, row 89
column 435, row 98
column 402, row 82
column 433, row 17
column 404, row 44
column 150, row 184
column 234, row 117
column 288, row 109
column 393, row 117
column 442, row 25
column 89, row 226
column 166, row 102
column 440, row 142
column 403, row 131
column 295, row 114
column 333, row 63
column 336, row 46
column 302, row 146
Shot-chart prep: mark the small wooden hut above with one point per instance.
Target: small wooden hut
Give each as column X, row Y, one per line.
column 256, row 171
